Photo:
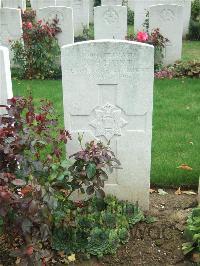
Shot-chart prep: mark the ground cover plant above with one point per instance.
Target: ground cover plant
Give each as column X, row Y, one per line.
column 37, row 180
column 192, row 236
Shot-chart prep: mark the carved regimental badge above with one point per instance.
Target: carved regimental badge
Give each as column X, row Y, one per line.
column 108, row 121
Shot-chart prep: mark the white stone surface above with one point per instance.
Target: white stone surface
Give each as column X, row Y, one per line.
column 15, row 4
column 10, row 25
column 81, row 16
column 168, row 18
column 36, row 4
column 140, row 8
column 110, row 22
column 91, row 11
column 108, row 95
column 5, row 78
column 111, row 2
column 65, row 16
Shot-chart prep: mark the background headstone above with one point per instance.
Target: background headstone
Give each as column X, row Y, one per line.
column 104, row 84
column 36, row 4
column 65, row 16
column 81, row 16
column 15, row 4
column 168, row 18
column 111, row 2
column 110, row 22
column 91, row 11
column 10, row 25
column 141, row 7
column 5, row 78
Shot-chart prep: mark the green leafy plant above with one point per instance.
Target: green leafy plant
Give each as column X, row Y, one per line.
column 194, row 27
column 101, row 225
column 130, row 16
column 36, row 54
column 156, row 39
column 192, row 234
column 35, row 180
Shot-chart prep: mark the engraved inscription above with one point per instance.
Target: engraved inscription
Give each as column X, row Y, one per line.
column 111, row 16
column 167, row 15
column 108, row 121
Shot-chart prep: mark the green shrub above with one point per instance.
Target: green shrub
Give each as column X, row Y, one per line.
column 194, row 27
column 195, row 10
column 130, row 17
column 36, row 182
column 36, row 55
column 194, row 30
column 192, row 234
column 97, row 2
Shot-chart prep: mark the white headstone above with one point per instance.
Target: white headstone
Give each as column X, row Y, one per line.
column 15, row 4
column 5, row 78
column 168, row 18
column 142, row 6
column 108, row 95
column 111, row 2
column 81, row 15
column 36, row 4
column 110, row 22
column 10, row 25
column 65, row 17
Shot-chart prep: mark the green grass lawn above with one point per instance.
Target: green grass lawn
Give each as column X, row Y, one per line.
column 191, row 50
column 176, row 124
column 176, row 121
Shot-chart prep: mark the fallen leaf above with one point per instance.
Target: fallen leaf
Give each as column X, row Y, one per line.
column 152, row 190
column 178, row 191
column 185, row 167
column 196, row 257
column 71, row 258
column 162, row 192
column 18, row 261
column 62, row 254
column 191, row 143
column 189, row 192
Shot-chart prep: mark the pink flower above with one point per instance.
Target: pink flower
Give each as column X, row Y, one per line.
column 29, row 25
column 142, row 36
column 40, row 21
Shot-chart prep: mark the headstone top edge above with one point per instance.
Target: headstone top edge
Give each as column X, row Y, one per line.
column 166, row 5
column 105, row 41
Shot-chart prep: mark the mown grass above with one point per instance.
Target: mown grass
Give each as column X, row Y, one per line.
column 191, row 50
column 176, row 123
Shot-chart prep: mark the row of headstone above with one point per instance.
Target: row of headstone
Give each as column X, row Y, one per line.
column 5, row 78
column 110, row 22
column 141, row 7
column 80, row 11
column 14, row 4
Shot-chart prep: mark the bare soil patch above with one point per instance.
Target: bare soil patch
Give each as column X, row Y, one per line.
column 157, row 243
